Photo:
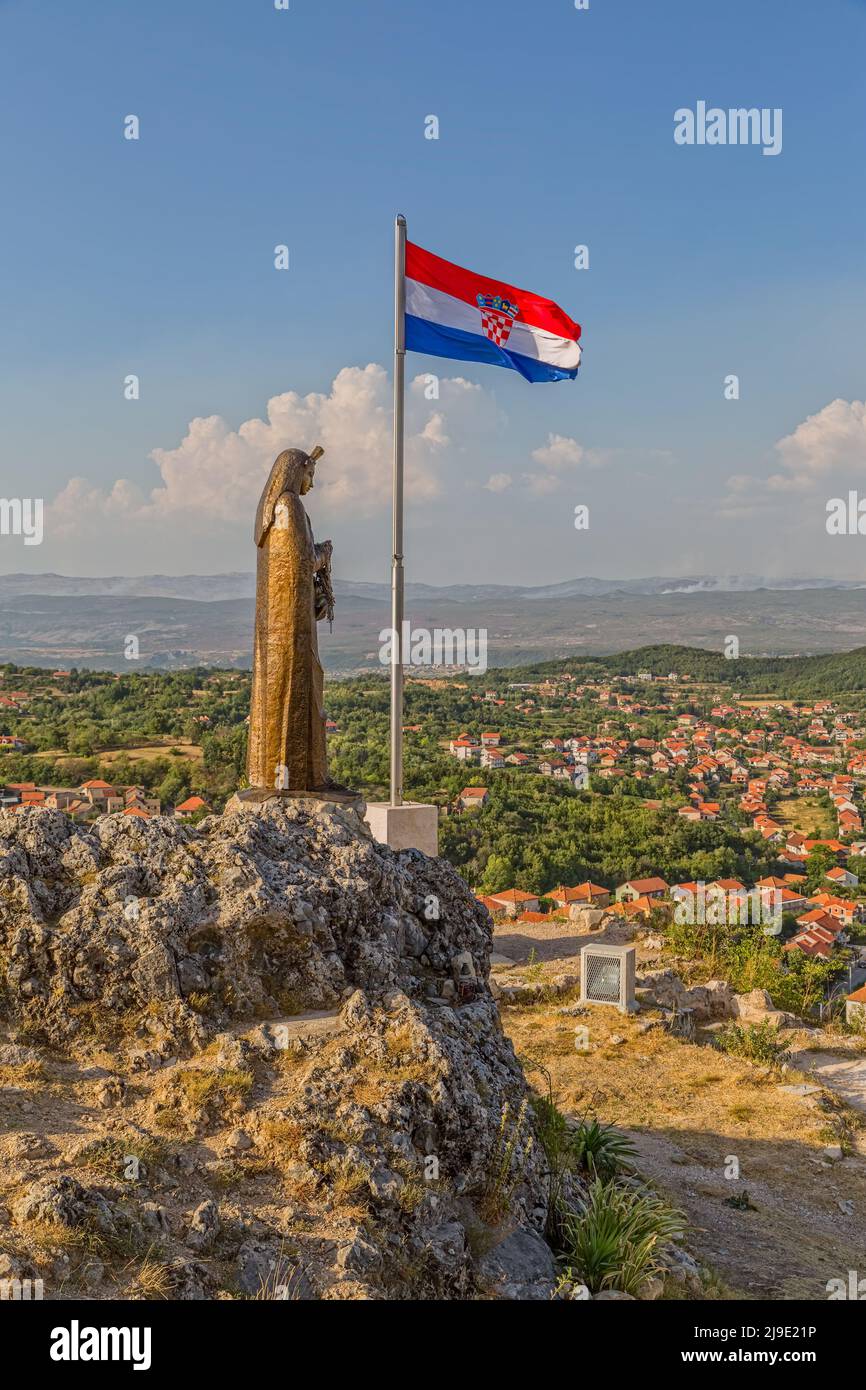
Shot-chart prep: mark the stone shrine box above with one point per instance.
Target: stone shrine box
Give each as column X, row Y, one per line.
column 607, row 976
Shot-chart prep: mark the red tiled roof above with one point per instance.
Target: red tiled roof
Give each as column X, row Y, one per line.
column 647, row 885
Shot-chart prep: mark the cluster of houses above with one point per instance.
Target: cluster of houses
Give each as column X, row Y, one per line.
column 823, row 919
column 710, row 750
column 92, row 798
column 568, row 759
column 736, row 757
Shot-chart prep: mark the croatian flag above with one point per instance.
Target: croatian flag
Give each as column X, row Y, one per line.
column 451, row 312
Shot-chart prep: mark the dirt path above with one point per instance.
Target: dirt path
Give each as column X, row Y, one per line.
column 846, row 1075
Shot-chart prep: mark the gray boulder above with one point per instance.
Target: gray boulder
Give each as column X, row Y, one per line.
column 519, row 1267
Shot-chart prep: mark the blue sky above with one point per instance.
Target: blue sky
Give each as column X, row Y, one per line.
column 306, row 127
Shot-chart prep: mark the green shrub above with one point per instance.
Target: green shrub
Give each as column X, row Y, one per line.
column 757, row 1042
column 557, row 1141
column 601, row 1150
column 612, row 1239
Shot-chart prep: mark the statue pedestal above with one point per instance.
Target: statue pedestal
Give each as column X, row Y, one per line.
column 413, row 825
column 256, row 798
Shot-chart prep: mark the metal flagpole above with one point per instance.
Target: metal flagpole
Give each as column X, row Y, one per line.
column 397, row 514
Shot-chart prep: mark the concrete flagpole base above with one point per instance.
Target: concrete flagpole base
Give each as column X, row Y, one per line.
column 414, row 825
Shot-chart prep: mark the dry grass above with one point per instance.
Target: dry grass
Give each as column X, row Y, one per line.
column 200, row 1086
column 52, row 1236
column 654, row 1081
column 281, row 1131
column 412, row 1194
column 805, row 813
column 150, row 1282
column 193, row 1095
column 399, row 1040
column 143, row 753
column 28, row 1076
column 688, row 1108
column 370, row 1083
column 106, row 1028
column 348, row 1181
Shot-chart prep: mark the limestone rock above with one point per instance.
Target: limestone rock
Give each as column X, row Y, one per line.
column 391, row 1102
column 359, row 1257
column 64, row 1201
column 519, row 1267
column 710, row 1002
column 295, row 900
column 204, row 1226
column 757, row 1007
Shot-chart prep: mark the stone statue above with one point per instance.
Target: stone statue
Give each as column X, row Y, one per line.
column 293, row 592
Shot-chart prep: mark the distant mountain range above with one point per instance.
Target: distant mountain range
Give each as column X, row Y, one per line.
column 212, row 587
column 186, row 620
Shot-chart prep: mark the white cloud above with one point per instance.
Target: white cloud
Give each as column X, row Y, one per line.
column 559, row 456
column 498, row 482
column 827, row 449
column 831, row 442
column 560, row 453
column 542, row 484
column 216, row 473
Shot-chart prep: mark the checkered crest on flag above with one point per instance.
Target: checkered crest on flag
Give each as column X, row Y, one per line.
column 497, row 317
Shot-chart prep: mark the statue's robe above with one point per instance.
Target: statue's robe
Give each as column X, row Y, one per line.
column 287, row 714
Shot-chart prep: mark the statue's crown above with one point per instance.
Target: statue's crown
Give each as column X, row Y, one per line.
column 499, row 302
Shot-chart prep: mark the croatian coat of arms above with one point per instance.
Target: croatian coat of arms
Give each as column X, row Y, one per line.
column 497, row 317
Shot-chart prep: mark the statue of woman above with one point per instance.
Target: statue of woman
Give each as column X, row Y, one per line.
column 287, row 714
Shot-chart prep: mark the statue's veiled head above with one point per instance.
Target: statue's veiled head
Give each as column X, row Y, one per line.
column 293, row 471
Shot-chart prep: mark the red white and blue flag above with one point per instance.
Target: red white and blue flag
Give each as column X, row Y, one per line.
column 452, row 312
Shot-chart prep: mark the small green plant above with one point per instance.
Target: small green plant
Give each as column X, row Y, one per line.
column 349, row 1181
column 508, row 1160
column 557, row 1142
column 587, row 1147
column 534, row 968
column 612, row 1239
column 741, row 1202
column 601, row 1150
column 201, row 1086
column 757, row 1042
column 112, row 1156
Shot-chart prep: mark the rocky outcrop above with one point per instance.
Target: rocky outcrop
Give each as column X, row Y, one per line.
column 713, row 1002
column 248, row 913
column 756, row 1006
column 709, row 1003
column 286, row 1035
